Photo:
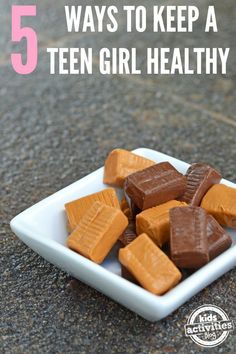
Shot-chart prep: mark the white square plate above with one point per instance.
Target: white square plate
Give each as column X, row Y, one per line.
column 43, row 228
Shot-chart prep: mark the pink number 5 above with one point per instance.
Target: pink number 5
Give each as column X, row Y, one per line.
column 18, row 33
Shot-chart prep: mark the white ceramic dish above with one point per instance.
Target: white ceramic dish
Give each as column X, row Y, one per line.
column 43, row 228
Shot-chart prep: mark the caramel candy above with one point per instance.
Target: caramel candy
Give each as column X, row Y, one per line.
column 155, row 185
column 76, row 209
column 120, row 164
column 200, row 177
column 155, row 222
column 220, row 202
column 188, row 237
column 124, row 205
column 149, row 265
column 127, row 275
column 218, row 239
column 98, row 231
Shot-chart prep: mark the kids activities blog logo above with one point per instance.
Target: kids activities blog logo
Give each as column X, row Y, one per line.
column 208, row 326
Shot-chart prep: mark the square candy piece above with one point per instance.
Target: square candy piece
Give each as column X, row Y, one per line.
column 98, row 231
column 134, row 209
column 127, row 275
column 76, row 209
column 129, row 234
column 218, row 240
column 220, row 202
column 200, row 177
column 120, row 164
column 155, row 185
column 155, row 222
column 149, row 265
column 124, row 205
column 188, row 237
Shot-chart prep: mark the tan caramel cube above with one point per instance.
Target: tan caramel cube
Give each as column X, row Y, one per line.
column 98, row 231
column 155, row 222
column 121, row 163
column 76, row 209
column 220, row 202
column 149, row 265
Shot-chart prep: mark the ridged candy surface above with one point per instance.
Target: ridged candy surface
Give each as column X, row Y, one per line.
column 200, row 177
column 220, row 202
column 155, row 185
column 76, row 209
column 98, row 231
column 188, row 237
column 155, row 222
column 218, row 239
column 120, row 164
column 149, row 265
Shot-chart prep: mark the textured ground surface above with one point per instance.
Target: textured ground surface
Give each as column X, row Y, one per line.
column 54, row 130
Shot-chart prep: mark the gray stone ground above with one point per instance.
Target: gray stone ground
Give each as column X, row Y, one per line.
column 54, row 130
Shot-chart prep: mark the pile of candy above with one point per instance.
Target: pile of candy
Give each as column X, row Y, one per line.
column 166, row 221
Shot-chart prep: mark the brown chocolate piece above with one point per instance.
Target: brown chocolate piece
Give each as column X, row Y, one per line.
column 188, row 237
column 129, row 234
column 134, row 209
column 155, row 185
column 200, row 177
column 218, row 239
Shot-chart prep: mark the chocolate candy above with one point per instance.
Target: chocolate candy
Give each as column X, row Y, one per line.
column 134, row 209
column 218, row 239
column 129, row 234
column 155, row 185
column 220, row 202
column 76, row 209
column 155, row 222
column 98, row 231
column 149, row 265
column 121, row 163
column 188, row 237
column 200, row 177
